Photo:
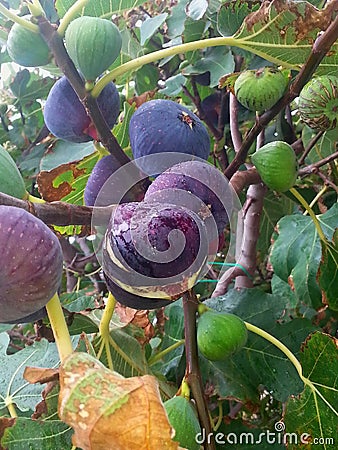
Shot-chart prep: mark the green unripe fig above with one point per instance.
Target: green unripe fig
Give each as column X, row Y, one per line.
column 183, row 419
column 27, row 48
column 277, row 165
column 219, row 335
column 11, row 181
column 260, row 89
column 318, row 103
column 93, row 44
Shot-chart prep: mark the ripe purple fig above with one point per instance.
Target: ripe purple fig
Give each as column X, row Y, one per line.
column 66, row 117
column 154, row 250
column 31, row 264
column 135, row 301
column 202, row 180
column 163, row 126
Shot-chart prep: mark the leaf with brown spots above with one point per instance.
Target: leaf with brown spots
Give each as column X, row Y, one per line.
column 109, row 411
column 283, row 32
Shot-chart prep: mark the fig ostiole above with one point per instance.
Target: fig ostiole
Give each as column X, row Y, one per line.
column 93, row 44
column 318, row 103
column 219, row 335
column 260, row 89
column 31, row 264
column 163, row 126
column 277, row 165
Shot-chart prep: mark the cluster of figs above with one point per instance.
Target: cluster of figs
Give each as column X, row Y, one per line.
column 158, row 127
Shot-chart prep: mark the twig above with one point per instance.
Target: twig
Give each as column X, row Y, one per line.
column 234, row 128
column 309, row 147
column 63, row 61
column 312, row 168
column 319, row 50
column 193, row 374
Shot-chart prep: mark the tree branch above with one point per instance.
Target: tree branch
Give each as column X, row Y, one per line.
column 320, row 48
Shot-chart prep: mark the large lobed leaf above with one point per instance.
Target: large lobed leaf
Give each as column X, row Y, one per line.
column 98, row 8
column 284, row 32
column 313, row 415
column 296, row 254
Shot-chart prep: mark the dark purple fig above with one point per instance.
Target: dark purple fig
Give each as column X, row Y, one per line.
column 202, row 180
column 109, row 183
column 211, row 107
column 161, row 126
column 154, row 250
column 31, row 264
column 135, row 301
column 66, row 117
column 202, row 78
column 38, row 315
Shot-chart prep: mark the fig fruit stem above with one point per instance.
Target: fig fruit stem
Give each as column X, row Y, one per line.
column 11, row 407
column 59, row 327
column 154, row 359
column 193, row 374
column 277, row 343
column 19, row 20
column 69, row 16
column 313, row 216
column 104, row 329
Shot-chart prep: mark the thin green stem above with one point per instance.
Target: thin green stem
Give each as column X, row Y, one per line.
column 317, row 197
column 107, row 315
column 155, row 56
column 59, row 327
column 313, row 216
column 279, row 345
column 11, row 409
column 68, row 17
column 35, row 8
column 154, row 359
column 23, row 22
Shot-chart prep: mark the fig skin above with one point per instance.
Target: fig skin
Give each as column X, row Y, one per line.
column 31, row 264
column 183, row 418
column 101, row 172
column 277, row 165
column 38, row 315
column 135, row 301
column 260, row 89
column 143, row 272
column 219, row 335
column 27, row 48
column 66, row 117
column 318, row 103
column 161, row 126
column 201, row 179
column 93, row 44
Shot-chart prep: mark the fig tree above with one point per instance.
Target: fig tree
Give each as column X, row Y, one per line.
column 183, row 418
column 277, row 165
column 31, row 264
column 219, row 335
column 260, row 89
column 66, row 117
column 318, row 103
column 93, row 44
column 27, row 48
column 161, row 126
